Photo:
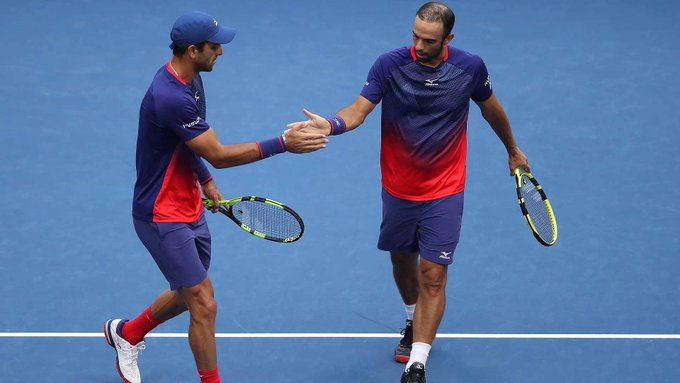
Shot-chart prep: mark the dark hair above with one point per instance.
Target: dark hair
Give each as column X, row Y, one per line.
column 179, row 51
column 434, row 11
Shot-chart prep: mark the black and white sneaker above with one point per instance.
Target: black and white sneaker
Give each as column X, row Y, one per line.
column 414, row 374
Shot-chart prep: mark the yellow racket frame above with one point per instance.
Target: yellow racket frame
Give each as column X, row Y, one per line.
column 519, row 173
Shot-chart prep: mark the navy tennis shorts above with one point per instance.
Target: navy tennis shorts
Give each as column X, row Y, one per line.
column 431, row 228
column 181, row 250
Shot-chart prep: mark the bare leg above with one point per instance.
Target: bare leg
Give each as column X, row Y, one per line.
column 431, row 301
column 200, row 301
column 168, row 305
column 406, row 275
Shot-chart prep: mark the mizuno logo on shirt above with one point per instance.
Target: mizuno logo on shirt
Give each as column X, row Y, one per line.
column 432, row 82
column 192, row 123
column 488, row 82
column 196, row 96
column 445, row 255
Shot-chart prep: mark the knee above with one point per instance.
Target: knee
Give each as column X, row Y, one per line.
column 433, row 282
column 209, row 308
column 203, row 310
column 201, row 302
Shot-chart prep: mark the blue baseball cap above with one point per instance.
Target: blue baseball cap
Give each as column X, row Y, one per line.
column 197, row 27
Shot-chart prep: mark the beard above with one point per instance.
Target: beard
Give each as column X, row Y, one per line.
column 205, row 67
column 430, row 58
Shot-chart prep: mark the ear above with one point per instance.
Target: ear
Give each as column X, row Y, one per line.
column 448, row 39
column 192, row 50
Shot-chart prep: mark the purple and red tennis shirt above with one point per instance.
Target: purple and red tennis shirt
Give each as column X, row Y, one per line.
column 424, row 120
column 423, row 127
column 168, row 172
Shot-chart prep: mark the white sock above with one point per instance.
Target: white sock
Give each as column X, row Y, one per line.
column 410, row 309
column 419, row 353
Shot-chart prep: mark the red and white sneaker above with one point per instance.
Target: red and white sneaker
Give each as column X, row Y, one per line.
column 126, row 354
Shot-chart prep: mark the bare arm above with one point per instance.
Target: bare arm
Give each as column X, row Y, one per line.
column 353, row 115
column 223, row 156
column 493, row 113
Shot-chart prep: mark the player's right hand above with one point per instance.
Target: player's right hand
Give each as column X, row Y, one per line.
column 299, row 138
column 315, row 124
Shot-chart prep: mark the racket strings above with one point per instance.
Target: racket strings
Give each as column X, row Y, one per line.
column 272, row 221
column 538, row 211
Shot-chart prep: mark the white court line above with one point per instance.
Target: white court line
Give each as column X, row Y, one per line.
column 349, row 335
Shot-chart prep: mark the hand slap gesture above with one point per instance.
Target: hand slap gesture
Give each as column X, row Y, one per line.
column 298, row 140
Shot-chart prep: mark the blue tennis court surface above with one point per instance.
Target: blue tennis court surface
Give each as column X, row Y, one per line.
column 591, row 90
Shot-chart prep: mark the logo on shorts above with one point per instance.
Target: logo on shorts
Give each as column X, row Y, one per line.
column 445, row 255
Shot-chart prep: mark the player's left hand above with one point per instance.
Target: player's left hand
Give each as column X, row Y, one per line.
column 210, row 192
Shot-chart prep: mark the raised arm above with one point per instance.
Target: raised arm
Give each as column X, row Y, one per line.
column 220, row 156
column 493, row 113
column 352, row 116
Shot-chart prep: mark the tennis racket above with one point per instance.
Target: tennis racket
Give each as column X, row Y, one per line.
column 262, row 217
column 536, row 208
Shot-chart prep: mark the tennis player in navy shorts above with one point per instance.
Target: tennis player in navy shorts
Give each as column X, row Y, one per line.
column 425, row 91
column 173, row 139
